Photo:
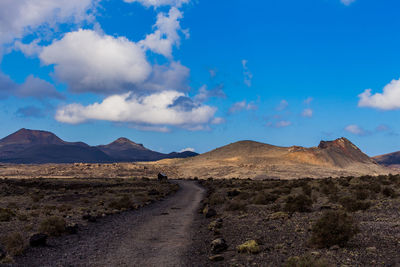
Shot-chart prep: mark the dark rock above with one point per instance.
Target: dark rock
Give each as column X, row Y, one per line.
column 89, row 218
column 72, row 229
column 38, row 240
column 2, row 253
column 162, row 177
column 217, row 257
column 153, row 192
column 218, row 245
column 211, row 213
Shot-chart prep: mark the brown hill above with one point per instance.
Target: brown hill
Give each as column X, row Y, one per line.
column 249, row 159
column 391, row 160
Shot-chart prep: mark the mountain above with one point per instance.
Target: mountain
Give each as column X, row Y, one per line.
column 33, row 146
column 249, row 159
column 390, row 160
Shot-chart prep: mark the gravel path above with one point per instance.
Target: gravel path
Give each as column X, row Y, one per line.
column 158, row 235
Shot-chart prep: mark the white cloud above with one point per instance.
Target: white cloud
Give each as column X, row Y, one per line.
column 308, row 100
column 31, row 49
column 282, row 105
column 164, row 108
column 166, row 34
column 355, row 129
column 190, row 149
column 308, row 112
column 389, row 99
column 158, row 3
column 248, row 76
column 242, row 105
column 282, row 124
column 89, row 61
column 22, row 17
column 218, row 120
column 347, row 2
column 204, row 94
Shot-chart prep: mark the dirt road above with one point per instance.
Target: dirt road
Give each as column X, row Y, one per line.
column 158, row 235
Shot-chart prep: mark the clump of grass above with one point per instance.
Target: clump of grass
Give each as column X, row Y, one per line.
column 36, row 197
column 124, row 202
column 217, row 199
column 352, row 205
column 333, row 228
column 53, row 226
column 305, row 261
column 14, row 244
column 300, row 203
column 6, row 215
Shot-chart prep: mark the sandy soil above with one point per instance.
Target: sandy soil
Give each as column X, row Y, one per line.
column 157, row 235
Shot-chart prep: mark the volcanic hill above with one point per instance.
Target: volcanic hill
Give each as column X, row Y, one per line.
column 249, row 159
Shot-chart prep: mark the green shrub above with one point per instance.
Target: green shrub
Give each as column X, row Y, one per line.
column 53, row 226
column 362, row 194
column 216, row 199
column 333, row 228
column 305, row 261
column 6, row 215
column 300, row 203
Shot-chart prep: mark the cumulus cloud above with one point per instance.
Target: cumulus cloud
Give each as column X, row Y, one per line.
column 248, row 76
column 242, row 105
column 30, row 50
column 389, row 99
column 90, row 61
column 347, row 2
column 355, row 129
column 281, row 124
column 158, row 3
column 23, row 17
column 282, row 105
column 166, row 34
column 308, row 100
column 308, row 112
column 32, row 87
column 163, row 108
column 37, row 88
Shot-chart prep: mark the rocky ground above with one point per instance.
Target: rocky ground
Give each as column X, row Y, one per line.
column 58, row 207
column 278, row 223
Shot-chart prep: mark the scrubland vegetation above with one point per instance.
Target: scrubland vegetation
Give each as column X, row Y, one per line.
column 55, row 207
column 307, row 222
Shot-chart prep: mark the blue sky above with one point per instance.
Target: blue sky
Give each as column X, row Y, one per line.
column 176, row 74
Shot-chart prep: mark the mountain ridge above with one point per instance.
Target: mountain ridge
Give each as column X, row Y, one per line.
column 27, row 146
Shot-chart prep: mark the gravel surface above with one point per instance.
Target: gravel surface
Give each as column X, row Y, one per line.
column 157, row 235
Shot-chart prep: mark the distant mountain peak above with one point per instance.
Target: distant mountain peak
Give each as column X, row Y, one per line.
column 342, row 143
column 27, row 136
column 124, row 140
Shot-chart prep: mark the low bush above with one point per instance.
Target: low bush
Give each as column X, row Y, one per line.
column 352, row 205
column 389, row 192
column 53, row 226
column 263, row 198
column 124, row 202
column 300, row 203
column 235, row 205
column 6, row 215
column 333, row 228
column 14, row 244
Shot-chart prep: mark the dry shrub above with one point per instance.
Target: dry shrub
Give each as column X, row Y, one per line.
column 14, row 244
column 333, row 228
column 53, row 226
column 124, row 202
column 352, row 205
column 305, row 261
column 264, row 198
column 300, row 203
column 235, row 205
column 6, row 215
column 389, row 192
